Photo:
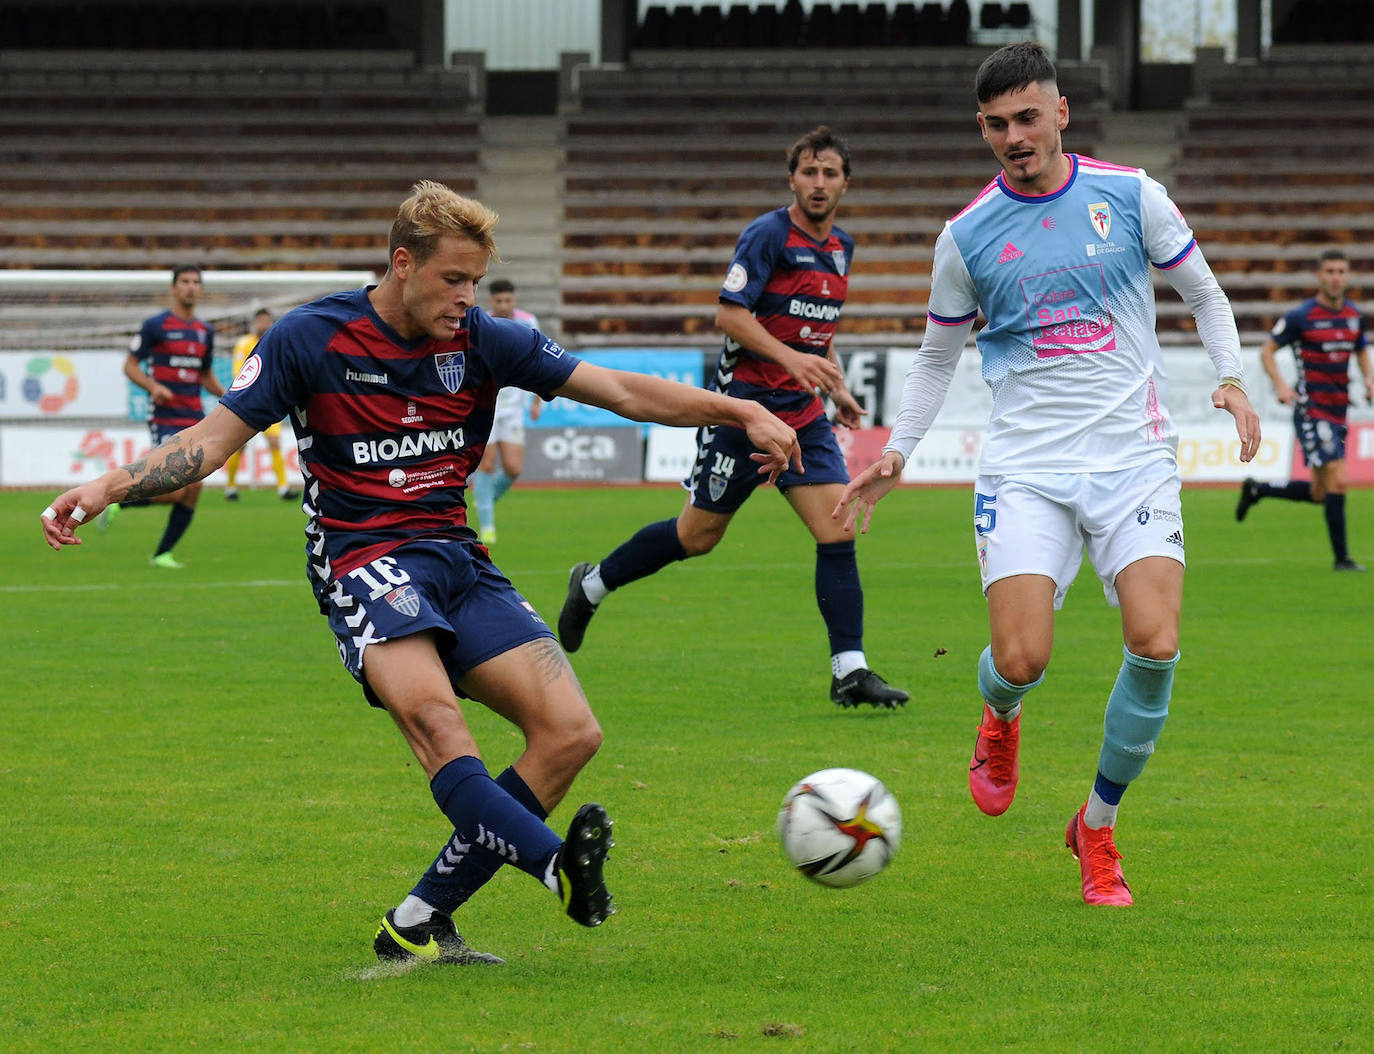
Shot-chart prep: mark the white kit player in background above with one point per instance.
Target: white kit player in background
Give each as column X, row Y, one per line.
column 1056, row 253
column 505, row 454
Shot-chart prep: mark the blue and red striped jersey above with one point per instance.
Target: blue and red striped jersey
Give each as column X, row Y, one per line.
column 174, row 352
column 388, row 429
column 1323, row 340
column 795, row 286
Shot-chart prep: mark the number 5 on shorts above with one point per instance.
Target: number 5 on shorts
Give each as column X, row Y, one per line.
column 985, row 513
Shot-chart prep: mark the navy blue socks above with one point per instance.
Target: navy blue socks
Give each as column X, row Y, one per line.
column 495, row 822
column 650, row 550
column 840, row 596
column 177, row 522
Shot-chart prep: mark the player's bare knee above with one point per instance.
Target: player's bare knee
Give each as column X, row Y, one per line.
column 1019, row 666
column 566, row 745
column 1161, row 644
column 699, row 543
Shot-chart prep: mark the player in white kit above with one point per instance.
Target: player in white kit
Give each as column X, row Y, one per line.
column 505, row 456
column 1080, row 451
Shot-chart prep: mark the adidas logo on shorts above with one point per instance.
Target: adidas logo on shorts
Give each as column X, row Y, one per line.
column 1176, row 538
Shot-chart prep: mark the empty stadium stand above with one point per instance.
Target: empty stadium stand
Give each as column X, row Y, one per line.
column 1272, row 169
column 284, row 160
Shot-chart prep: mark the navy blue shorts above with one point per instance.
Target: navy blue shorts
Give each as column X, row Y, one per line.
column 451, row 589
column 159, row 434
column 1322, row 441
column 724, row 475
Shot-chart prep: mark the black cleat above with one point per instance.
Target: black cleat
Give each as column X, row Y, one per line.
column 865, row 686
column 577, row 610
column 1249, row 494
column 289, row 494
column 1347, row 565
column 435, row 941
column 580, row 863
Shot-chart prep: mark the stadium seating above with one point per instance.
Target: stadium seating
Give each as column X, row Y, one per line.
column 822, row 25
column 668, row 159
column 283, row 160
column 1271, row 170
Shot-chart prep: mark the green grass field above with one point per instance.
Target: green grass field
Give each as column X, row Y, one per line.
column 203, row 821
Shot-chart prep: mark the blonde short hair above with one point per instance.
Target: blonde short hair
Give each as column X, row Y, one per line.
column 431, row 211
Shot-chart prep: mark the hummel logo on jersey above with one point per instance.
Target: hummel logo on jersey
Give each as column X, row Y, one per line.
column 368, row 378
column 1009, row 254
column 1176, row 539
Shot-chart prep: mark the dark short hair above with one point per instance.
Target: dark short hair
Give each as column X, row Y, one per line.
column 815, row 142
column 1332, row 254
column 182, row 269
column 501, row 285
column 262, row 311
column 1012, row 68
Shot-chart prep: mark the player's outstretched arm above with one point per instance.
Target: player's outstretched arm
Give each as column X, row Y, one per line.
column 1236, row 403
column 640, row 397
column 866, row 489
column 185, row 458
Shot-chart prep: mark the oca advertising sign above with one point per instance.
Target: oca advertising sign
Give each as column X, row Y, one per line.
column 584, row 455
column 49, row 384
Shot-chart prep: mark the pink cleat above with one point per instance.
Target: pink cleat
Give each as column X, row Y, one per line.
column 993, row 770
column 1098, row 859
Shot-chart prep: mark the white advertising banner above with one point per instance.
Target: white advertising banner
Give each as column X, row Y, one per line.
column 42, row 384
column 671, row 452
column 46, row 456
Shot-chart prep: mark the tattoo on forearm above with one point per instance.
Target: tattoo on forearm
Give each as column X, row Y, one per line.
column 179, row 467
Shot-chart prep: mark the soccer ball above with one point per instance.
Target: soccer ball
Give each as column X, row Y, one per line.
column 839, row 827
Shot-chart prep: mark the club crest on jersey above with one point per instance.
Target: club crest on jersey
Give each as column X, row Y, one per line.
column 450, row 365
column 247, row 374
column 1100, row 215
column 838, row 256
column 405, row 600
column 715, row 486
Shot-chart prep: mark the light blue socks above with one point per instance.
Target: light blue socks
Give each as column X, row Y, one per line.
column 1136, row 711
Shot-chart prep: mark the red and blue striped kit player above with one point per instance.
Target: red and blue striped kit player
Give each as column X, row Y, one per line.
column 779, row 306
column 391, row 391
column 1323, row 339
column 795, row 286
column 1324, row 331
column 388, row 429
column 176, row 352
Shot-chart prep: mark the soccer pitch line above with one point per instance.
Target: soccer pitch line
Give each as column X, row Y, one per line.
column 160, row 586
column 545, row 572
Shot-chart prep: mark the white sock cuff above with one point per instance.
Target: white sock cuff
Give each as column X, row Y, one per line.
column 592, row 586
column 412, row 912
column 843, row 663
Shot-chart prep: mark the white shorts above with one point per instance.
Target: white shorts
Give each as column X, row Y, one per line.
column 1039, row 524
column 508, row 421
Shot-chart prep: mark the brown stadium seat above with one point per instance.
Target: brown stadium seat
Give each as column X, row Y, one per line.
column 297, row 166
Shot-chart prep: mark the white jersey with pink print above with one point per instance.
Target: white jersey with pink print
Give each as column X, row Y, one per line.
column 1069, row 350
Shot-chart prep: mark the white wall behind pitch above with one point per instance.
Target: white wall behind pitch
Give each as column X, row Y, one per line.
column 523, row 34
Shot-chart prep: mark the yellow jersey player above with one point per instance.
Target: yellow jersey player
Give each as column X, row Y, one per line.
column 262, row 318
